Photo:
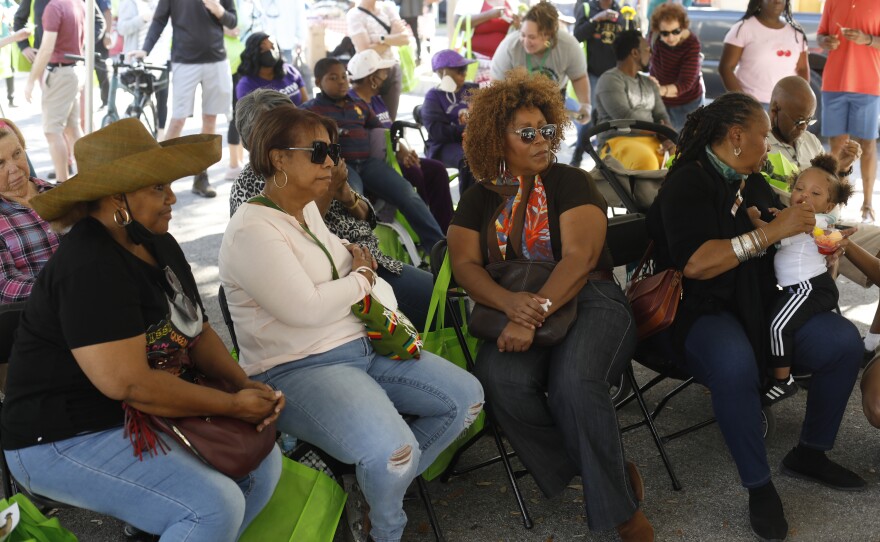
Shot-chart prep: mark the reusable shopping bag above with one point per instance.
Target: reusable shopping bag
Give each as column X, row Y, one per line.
column 306, row 505
column 407, row 68
column 444, row 343
column 33, row 526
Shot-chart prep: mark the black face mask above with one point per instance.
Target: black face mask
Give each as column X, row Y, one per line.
column 137, row 232
column 269, row 58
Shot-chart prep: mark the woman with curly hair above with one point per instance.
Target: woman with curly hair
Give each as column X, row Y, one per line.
column 542, row 47
column 762, row 48
column 552, row 401
column 262, row 67
column 675, row 62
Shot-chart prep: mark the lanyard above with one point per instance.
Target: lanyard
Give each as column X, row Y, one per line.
column 541, row 65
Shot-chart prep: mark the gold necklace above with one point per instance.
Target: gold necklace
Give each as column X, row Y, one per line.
column 302, row 222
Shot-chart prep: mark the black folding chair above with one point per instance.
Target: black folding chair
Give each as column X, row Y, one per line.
column 438, row 254
column 318, row 459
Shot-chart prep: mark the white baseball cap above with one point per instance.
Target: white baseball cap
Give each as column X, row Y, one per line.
column 366, row 63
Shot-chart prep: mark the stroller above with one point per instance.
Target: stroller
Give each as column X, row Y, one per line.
column 633, row 190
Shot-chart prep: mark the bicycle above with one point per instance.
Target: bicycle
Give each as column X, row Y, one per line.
column 138, row 81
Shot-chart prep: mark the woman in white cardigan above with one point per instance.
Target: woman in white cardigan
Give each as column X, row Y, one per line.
column 297, row 333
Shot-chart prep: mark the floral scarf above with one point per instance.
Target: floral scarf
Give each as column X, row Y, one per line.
column 536, row 227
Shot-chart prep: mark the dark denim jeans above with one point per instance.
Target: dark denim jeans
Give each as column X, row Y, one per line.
column 377, row 177
column 553, row 404
column 678, row 113
column 720, row 357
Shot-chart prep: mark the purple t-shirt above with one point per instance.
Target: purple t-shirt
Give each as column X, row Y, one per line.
column 289, row 85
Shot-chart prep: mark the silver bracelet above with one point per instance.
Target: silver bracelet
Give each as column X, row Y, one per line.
column 756, row 239
column 748, row 245
column 738, row 251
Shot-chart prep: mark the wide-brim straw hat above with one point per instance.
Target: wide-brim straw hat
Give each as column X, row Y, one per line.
column 123, row 157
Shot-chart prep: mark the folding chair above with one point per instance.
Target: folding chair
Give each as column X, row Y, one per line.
column 438, row 254
column 318, row 459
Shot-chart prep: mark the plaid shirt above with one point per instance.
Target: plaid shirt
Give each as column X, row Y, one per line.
column 26, row 244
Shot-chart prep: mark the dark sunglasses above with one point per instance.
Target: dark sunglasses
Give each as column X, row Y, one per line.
column 666, row 33
column 802, row 123
column 527, row 135
column 320, row 151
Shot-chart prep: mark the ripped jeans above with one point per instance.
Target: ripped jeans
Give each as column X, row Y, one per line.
column 348, row 401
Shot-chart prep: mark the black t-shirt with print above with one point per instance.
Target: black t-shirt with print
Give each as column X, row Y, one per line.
column 91, row 291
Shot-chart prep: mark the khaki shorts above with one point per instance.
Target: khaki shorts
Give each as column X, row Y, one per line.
column 216, row 81
column 867, row 237
column 60, row 99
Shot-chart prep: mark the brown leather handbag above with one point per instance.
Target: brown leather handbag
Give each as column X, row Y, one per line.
column 654, row 298
column 522, row 276
column 232, row 446
column 518, row 275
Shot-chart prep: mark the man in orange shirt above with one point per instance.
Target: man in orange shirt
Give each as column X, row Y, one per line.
column 850, row 32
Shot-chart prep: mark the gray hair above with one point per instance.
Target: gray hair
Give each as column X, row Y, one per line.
column 249, row 108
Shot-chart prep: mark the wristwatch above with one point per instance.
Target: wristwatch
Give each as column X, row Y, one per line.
column 846, row 172
column 382, row 39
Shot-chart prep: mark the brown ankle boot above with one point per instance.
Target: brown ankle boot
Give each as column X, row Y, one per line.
column 635, row 481
column 636, row 529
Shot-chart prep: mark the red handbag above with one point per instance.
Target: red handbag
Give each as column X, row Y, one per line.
column 654, row 298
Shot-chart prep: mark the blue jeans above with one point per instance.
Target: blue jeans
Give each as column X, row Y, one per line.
column 412, row 288
column 719, row 355
column 347, row 401
column 678, row 113
column 377, row 177
column 553, row 403
column 173, row 494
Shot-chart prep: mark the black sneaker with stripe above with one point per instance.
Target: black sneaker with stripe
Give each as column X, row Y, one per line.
column 778, row 390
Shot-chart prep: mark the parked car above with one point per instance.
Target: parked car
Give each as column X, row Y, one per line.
column 711, row 25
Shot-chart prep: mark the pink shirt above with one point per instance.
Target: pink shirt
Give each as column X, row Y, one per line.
column 66, row 17
column 279, row 285
column 769, row 54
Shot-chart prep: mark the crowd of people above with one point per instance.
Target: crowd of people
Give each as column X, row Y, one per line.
column 114, row 332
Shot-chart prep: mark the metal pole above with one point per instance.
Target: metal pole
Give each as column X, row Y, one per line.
column 88, row 87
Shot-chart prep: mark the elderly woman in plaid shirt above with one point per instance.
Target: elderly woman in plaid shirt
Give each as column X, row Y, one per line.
column 26, row 242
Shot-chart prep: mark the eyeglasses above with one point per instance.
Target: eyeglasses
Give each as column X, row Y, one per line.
column 802, row 123
column 527, row 135
column 666, row 33
column 320, row 151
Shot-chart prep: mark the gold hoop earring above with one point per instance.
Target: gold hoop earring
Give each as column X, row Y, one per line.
column 547, row 44
column 275, row 182
column 374, row 86
column 737, row 151
column 122, row 217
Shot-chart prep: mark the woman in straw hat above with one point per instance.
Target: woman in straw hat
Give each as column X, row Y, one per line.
column 117, row 299
column 26, row 240
column 297, row 333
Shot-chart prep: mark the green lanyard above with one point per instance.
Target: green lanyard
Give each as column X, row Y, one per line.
column 541, row 65
column 269, row 203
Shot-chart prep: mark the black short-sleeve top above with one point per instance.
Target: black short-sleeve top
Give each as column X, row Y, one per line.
column 567, row 187
column 91, row 291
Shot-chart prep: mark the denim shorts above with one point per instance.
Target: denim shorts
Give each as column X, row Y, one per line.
column 850, row 113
